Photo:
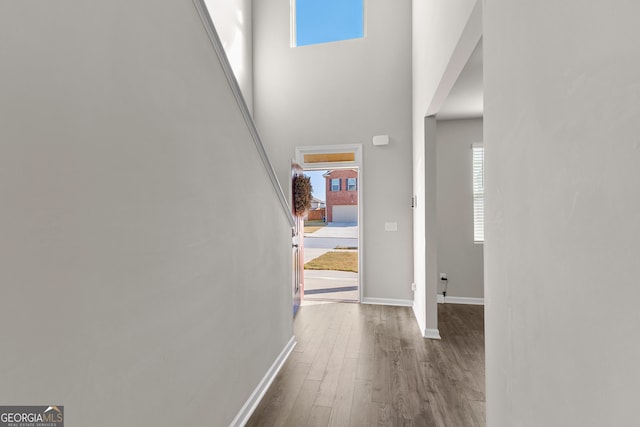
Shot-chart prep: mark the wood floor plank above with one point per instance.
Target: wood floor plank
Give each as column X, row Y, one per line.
column 333, row 369
column 355, row 335
column 381, row 392
column 310, row 347
column 385, row 415
column 401, row 401
column 284, row 395
column 365, row 369
column 362, row 407
column 319, row 416
column 343, row 400
column 364, row 365
column 415, row 386
column 301, row 410
column 313, row 330
column 319, row 365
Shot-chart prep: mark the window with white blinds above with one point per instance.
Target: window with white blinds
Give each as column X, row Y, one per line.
column 478, row 193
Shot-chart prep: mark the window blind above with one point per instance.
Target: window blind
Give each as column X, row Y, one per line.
column 478, row 192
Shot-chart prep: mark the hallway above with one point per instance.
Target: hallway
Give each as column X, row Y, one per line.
column 363, row 365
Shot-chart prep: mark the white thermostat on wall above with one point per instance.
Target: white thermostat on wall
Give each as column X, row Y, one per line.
column 381, row 140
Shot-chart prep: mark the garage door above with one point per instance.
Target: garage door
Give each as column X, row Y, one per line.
column 345, row 213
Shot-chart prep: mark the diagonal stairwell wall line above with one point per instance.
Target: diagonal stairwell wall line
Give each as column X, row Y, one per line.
column 209, row 26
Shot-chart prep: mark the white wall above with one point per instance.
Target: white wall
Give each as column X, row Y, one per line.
column 437, row 28
column 346, row 92
column 233, row 21
column 562, row 101
column 134, row 277
column 458, row 256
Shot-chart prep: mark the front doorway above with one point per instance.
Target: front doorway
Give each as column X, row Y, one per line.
column 332, row 228
column 331, row 255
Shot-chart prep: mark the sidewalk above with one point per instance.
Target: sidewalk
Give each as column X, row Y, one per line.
column 329, row 284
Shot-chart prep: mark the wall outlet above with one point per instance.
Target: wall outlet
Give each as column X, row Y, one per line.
column 390, row 226
column 443, row 276
column 413, row 287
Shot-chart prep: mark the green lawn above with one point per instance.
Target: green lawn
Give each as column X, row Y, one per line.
column 335, row 260
column 312, row 226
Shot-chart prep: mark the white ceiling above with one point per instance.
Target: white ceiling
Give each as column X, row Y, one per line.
column 465, row 101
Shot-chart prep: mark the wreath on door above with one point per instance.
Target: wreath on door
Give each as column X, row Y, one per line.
column 301, row 194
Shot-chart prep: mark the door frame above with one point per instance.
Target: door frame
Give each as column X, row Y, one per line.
column 357, row 163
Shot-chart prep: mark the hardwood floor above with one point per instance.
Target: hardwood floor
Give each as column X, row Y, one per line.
column 367, row 365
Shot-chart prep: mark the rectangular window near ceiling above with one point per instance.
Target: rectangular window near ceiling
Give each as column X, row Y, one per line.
column 478, row 193
column 324, row 21
column 335, row 184
column 351, row 184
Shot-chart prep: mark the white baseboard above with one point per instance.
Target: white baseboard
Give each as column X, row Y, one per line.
column 250, row 405
column 426, row 333
column 388, row 301
column 433, row 334
column 459, row 300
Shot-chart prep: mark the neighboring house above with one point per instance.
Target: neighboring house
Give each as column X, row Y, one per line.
column 342, row 195
column 317, row 210
column 317, row 203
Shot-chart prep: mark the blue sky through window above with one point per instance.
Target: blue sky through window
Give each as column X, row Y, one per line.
column 323, row 21
column 318, row 183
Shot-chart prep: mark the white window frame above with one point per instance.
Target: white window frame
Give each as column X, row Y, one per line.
column 331, row 184
column 355, row 184
column 477, row 172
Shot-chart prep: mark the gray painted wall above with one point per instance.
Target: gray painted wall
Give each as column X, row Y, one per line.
column 458, row 256
column 437, row 27
column 562, row 101
column 134, row 276
column 339, row 93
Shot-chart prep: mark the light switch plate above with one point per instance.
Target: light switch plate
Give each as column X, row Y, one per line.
column 390, row 226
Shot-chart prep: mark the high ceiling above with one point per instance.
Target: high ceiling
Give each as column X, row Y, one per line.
column 465, row 100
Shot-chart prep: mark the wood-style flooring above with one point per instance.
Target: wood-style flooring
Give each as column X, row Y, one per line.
column 367, row 365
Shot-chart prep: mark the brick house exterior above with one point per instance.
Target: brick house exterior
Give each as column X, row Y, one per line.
column 342, row 194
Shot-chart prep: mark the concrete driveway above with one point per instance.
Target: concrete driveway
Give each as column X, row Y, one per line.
column 332, row 235
column 337, row 229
